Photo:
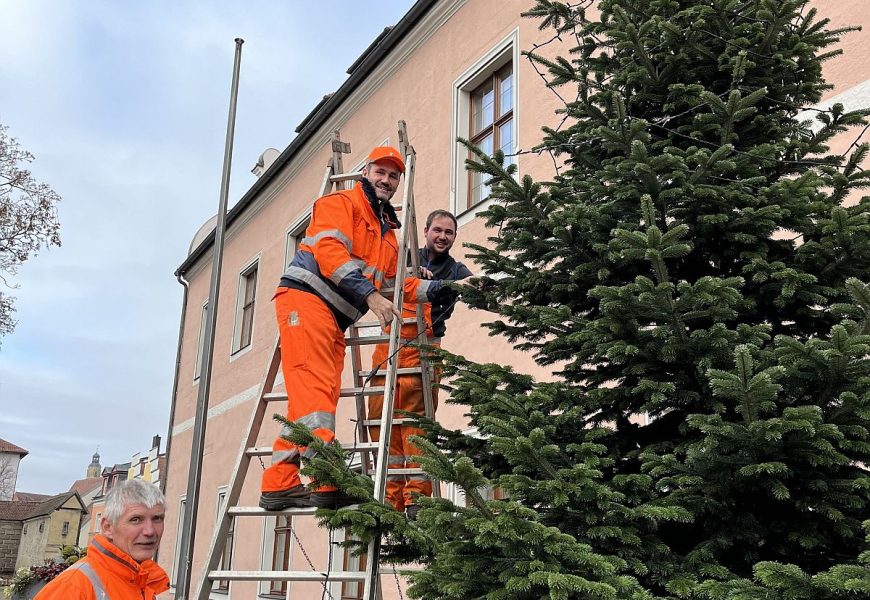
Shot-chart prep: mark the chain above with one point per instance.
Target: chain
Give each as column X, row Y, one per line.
column 308, row 559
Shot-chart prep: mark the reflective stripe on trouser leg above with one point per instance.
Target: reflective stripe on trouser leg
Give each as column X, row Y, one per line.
column 312, row 357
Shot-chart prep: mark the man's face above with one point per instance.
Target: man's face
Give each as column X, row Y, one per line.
column 440, row 235
column 138, row 531
column 384, row 176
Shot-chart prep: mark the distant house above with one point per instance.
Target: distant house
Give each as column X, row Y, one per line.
column 88, row 489
column 10, row 457
column 49, row 526
column 33, row 532
column 12, row 515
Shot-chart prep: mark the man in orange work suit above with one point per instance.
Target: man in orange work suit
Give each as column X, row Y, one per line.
column 348, row 254
column 119, row 563
column 436, row 263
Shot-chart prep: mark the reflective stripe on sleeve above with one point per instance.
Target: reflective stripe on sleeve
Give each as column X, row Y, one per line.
column 343, row 271
column 317, row 284
column 422, row 288
column 331, row 233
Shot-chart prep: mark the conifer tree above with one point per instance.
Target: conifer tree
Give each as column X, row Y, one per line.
column 697, row 277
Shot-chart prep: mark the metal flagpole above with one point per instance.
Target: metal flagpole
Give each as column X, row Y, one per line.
column 195, row 474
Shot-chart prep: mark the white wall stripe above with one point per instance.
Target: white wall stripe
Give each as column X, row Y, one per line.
column 228, row 404
column 852, row 99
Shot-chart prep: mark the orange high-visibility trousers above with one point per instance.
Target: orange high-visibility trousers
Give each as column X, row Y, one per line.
column 401, row 489
column 312, row 358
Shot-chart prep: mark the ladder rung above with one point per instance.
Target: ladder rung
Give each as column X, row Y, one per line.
column 416, row 471
column 364, row 324
column 366, row 391
column 256, row 511
column 345, row 177
column 377, row 422
column 368, row 339
column 344, row 393
column 287, row 575
column 358, row 447
column 383, row 372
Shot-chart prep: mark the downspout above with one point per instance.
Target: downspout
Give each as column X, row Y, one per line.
column 165, row 472
column 163, row 475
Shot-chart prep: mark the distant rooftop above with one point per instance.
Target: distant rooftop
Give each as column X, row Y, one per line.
column 10, row 447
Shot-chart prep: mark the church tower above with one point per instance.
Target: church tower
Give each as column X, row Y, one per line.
column 94, row 469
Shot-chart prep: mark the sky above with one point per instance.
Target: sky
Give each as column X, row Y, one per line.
column 124, row 105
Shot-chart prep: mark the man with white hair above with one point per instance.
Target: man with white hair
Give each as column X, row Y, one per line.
column 119, row 563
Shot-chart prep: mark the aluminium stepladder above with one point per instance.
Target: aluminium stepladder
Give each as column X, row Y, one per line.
column 333, row 180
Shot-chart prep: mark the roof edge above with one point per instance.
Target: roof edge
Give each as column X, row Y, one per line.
column 384, row 44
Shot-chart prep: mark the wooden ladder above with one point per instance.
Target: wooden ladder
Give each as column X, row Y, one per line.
column 373, row 455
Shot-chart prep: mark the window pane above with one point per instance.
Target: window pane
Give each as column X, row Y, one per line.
column 482, row 107
column 506, row 140
column 250, row 286
column 201, row 342
column 479, row 191
column 506, row 91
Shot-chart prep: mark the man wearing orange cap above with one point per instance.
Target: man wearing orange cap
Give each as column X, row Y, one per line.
column 348, row 254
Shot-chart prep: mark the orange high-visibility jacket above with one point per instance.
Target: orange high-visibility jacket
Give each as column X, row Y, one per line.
column 107, row 573
column 349, row 253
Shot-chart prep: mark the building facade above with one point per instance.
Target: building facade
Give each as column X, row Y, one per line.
column 10, row 458
column 449, row 68
column 49, row 526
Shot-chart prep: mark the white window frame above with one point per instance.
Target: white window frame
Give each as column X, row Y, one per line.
column 267, row 553
column 200, row 344
column 235, row 350
column 182, row 506
column 295, row 230
column 504, row 52
column 222, row 492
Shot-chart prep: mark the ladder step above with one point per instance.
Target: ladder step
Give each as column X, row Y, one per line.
column 368, row 339
column 256, row 511
column 342, row 177
column 287, row 575
column 377, row 422
column 416, row 471
column 366, row 391
column 358, row 447
column 364, row 324
column 405, row 371
column 345, row 393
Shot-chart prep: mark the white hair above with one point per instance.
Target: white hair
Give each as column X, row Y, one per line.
column 133, row 491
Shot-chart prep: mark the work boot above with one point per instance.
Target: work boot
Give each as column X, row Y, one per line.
column 411, row 511
column 295, row 497
column 332, row 499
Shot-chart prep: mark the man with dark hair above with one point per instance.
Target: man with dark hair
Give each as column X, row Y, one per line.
column 119, row 563
column 436, row 264
column 348, row 255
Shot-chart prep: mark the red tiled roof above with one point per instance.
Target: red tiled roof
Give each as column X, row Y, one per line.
column 10, row 447
column 52, row 504
column 11, row 510
column 29, row 497
column 83, row 486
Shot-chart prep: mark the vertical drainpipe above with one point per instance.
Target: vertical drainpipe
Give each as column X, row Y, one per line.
column 165, row 471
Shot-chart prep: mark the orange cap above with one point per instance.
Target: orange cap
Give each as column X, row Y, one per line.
column 387, row 153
